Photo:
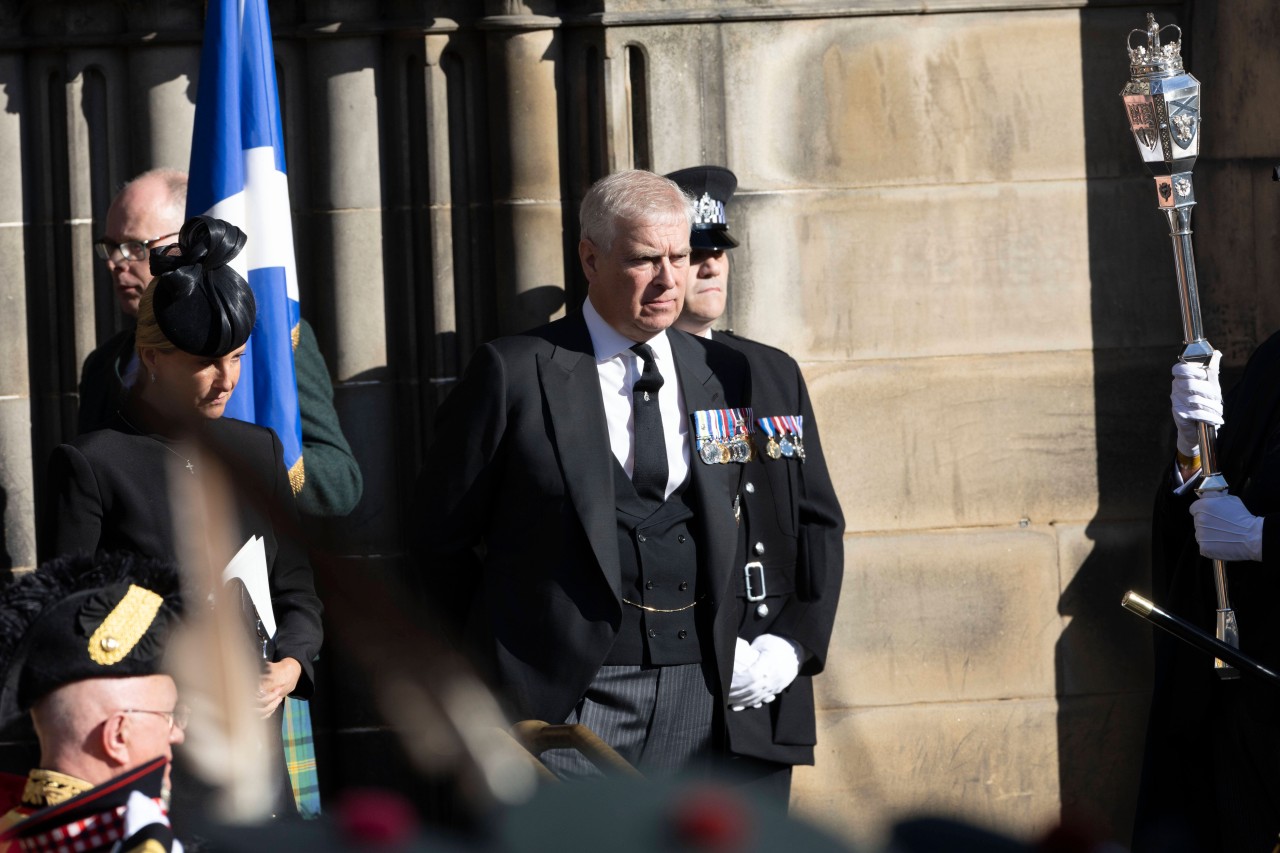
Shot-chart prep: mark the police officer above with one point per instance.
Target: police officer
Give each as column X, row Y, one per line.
column 792, row 527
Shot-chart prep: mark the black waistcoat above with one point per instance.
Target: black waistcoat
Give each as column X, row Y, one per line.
column 659, row 560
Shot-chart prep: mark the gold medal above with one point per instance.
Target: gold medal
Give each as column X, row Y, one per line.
column 772, row 448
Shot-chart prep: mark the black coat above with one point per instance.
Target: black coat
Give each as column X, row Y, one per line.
column 1212, row 765
column 108, row 490
column 333, row 483
column 792, row 524
column 518, row 529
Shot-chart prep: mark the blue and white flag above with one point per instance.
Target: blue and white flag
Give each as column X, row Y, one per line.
column 238, row 174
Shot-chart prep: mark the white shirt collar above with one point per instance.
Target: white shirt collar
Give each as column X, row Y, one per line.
column 608, row 343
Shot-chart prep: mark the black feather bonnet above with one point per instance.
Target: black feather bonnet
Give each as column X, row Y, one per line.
column 73, row 618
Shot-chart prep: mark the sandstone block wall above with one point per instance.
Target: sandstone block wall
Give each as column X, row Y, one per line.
column 942, row 216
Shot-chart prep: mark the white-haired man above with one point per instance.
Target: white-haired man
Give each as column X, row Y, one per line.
column 566, row 457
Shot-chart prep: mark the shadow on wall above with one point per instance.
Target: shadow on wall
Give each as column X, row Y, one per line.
column 542, row 301
column 1103, row 655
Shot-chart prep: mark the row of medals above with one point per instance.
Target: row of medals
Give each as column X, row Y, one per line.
column 719, row 451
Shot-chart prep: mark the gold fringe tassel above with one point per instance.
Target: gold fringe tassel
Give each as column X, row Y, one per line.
column 297, row 476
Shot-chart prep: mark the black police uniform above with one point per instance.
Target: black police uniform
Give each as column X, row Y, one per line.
column 791, row 532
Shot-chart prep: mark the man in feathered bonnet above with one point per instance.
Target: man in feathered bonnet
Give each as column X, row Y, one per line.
column 82, row 641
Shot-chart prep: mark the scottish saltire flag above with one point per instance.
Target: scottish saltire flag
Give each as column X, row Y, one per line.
column 237, row 174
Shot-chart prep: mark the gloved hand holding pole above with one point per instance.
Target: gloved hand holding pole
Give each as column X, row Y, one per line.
column 1163, row 104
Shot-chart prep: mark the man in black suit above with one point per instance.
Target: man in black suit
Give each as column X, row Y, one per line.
column 792, row 528
column 566, row 514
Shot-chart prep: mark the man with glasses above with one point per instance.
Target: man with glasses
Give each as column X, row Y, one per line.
column 145, row 214
column 81, row 647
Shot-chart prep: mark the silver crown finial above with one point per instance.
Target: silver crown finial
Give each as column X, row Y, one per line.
column 1154, row 59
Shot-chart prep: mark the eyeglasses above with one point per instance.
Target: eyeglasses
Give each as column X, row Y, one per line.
column 178, row 717
column 129, row 250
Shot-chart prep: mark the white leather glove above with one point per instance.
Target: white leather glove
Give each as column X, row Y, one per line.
column 1225, row 529
column 1196, row 397
column 777, row 664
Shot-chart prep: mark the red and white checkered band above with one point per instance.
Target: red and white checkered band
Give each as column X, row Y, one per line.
column 96, row 832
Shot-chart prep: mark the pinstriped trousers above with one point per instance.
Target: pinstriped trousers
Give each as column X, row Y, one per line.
column 658, row 718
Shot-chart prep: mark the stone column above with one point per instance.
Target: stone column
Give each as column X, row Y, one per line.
column 347, row 198
column 80, row 203
column 17, row 533
column 524, row 52
column 440, row 206
column 164, row 79
column 98, row 117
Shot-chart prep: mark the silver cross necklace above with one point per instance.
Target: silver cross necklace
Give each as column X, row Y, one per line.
column 190, row 467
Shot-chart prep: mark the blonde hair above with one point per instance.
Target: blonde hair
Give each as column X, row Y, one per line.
column 148, row 334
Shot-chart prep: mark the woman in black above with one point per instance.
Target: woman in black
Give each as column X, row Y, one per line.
column 110, row 489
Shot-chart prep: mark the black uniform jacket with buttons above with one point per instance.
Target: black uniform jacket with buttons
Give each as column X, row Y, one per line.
column 793, row 526
column 517, row 528
column 108, row 490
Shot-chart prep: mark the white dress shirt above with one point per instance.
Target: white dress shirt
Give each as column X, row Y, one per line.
column 619, row 368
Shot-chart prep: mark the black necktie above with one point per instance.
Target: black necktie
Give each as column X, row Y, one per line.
column 649, row 469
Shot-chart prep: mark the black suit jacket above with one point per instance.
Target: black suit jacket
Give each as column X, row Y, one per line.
column 518, row 527
column 791, row 510
column 108, row 490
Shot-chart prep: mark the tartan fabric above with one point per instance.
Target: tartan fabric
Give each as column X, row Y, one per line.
column 300, row 757
column 95, row 832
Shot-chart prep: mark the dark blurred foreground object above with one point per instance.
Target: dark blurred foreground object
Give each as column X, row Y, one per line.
column 627, row 814
column 621, row 815
column 947, row 835
column 939, row 835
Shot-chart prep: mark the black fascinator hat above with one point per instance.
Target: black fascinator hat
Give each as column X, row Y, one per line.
column 201, row 304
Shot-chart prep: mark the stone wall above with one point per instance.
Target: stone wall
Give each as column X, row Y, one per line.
column 943, row 218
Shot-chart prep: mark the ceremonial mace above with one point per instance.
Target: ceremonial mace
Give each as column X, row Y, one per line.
column 1163, row 103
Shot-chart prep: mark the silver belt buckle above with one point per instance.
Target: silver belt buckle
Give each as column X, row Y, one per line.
column 746, row 572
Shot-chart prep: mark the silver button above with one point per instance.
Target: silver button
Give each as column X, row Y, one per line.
column 759, row 547
column 750, row 487
column 640, row 536
column 762, row 611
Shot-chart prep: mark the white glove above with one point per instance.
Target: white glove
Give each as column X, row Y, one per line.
column 777, row 664
column 1196, row 397
column 1225, row 529
column 743, row 657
